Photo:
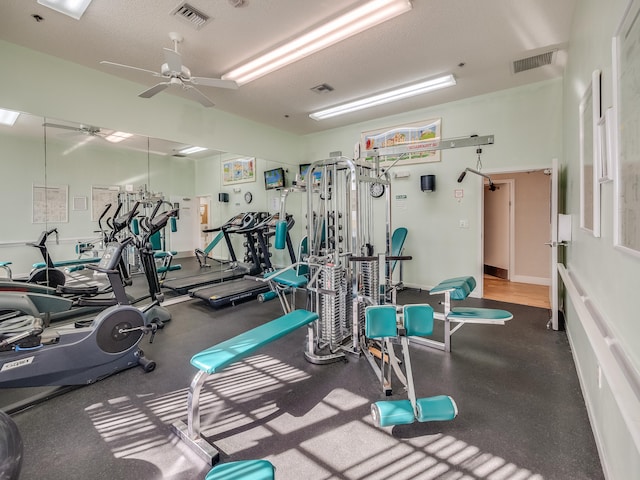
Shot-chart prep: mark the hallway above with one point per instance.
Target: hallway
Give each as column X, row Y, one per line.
column 512, row 292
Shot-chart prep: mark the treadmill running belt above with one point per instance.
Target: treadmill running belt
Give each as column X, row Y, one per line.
column 226, row 293
column 184, row 284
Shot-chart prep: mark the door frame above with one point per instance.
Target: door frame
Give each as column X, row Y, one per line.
column 512, row 219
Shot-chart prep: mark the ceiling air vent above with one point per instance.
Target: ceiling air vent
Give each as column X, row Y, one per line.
column 535, row 61
column 192, row 16
column 322, row 88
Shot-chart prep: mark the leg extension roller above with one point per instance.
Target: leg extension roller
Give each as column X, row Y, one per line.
column 381, row 321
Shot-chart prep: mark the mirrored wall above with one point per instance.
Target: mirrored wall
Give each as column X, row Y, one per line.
column 61, row 174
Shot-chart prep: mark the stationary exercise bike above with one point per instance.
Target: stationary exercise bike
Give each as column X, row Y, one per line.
column 37, row 356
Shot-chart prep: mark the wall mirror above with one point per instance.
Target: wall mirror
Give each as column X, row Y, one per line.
column 61, row 174
column 589, row 151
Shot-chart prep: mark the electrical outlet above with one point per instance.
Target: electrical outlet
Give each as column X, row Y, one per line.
column 464, row 223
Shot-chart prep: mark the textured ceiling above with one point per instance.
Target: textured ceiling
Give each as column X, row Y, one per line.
column 433, row 38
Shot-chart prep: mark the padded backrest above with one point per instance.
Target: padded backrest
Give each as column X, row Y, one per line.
column 418, row 320
column 303, row 250
column 397, row 244
column 380, row 321
column 156, row 241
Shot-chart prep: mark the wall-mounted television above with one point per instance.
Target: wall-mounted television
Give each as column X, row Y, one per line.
column 274, row 178
column 317, row 175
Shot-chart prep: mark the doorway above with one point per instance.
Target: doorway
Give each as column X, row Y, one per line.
column 204, row 212
column 516, row 228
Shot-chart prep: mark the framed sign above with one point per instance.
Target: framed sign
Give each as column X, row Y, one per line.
column 412, row 136
column 238, row 170
column 626, row 72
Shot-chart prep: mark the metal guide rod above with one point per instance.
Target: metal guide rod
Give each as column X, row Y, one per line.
column 428, row 146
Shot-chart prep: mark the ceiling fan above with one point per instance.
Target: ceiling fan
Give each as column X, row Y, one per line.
column 88, row 130
column 175, row 73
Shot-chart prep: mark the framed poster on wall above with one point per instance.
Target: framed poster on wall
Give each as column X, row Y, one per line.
column 589, row 156
column 50, row 204
column 413, row 135
column 238, row 170
column 626, row 72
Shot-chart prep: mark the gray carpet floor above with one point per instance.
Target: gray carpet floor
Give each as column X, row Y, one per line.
column 521, row 412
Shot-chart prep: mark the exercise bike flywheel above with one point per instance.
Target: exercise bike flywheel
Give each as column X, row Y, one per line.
column 114, row 333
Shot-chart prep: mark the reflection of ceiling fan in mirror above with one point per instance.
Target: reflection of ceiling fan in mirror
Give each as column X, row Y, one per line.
column 175, row 73
column 87, row 130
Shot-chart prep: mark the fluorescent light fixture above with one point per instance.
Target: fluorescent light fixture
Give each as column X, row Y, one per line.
column 355, row 21
column 117, row 137
column 387, row 97
column 72, row 8
column 8, row 117
column 190, row 150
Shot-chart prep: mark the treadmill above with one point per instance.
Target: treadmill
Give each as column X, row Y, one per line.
column 240, row 224
column 243, row 289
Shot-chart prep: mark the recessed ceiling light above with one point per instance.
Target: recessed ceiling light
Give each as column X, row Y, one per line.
column 190, row 150
column 72, row 8
column 8, row 117
column 387, row 97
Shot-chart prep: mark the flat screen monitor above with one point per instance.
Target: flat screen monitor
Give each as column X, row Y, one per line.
column 317, row 175
column 274, row 178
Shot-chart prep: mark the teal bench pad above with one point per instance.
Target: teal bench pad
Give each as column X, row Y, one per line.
column 218, row 357
column 480, row 315
column 288, row 278
column 69, row 263
column 242, row 470
column 459, row 287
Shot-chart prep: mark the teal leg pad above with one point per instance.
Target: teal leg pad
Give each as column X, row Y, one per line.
column 380, row 321
column 266, row 296
column 439, row 408
column 392, row 412
column 281, row 235
column 242, row 470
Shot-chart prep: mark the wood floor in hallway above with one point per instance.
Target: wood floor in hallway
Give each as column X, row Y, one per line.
column 513, row 292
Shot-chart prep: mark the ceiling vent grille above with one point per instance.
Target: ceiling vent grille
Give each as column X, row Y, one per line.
column 191, row 15
column 535, row 61
column 322, row 88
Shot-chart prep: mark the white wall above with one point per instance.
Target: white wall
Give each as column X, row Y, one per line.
column 441, row 249
column 608, row 276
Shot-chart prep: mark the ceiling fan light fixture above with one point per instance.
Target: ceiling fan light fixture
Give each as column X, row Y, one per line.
column 387, row 97
column 190, row 150
column 8, row 117
column 72, row 8
column 355, row 21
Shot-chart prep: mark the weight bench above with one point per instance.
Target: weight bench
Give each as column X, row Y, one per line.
column 217, row 358
column 70, row 265
column 385, row 323
column 203, row 255
column 243, row 470
column 460, row 288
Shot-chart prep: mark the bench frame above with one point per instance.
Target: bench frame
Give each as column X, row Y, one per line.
column 460, row 293
column 191, row 432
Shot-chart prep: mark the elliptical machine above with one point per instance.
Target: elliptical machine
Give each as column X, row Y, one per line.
column 80, row 356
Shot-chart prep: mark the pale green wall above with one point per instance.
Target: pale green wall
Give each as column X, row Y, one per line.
column 608, row 276
column 527, row 126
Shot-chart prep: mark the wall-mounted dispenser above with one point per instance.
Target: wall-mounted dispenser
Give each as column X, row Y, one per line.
column 428, row 183
column 223, row 197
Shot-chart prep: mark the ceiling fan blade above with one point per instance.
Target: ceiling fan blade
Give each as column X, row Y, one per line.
column 173, row 60
column 65, row 127
column 153, row 90
column 214, row 82
column 198, row 96
column 119, row 65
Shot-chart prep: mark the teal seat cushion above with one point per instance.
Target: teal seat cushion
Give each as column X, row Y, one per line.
column 216, row 358
column 289, row 278
column 242, row 470
column 380, row 321
column 69, row 263
column 418, row 320
column 480, row 315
